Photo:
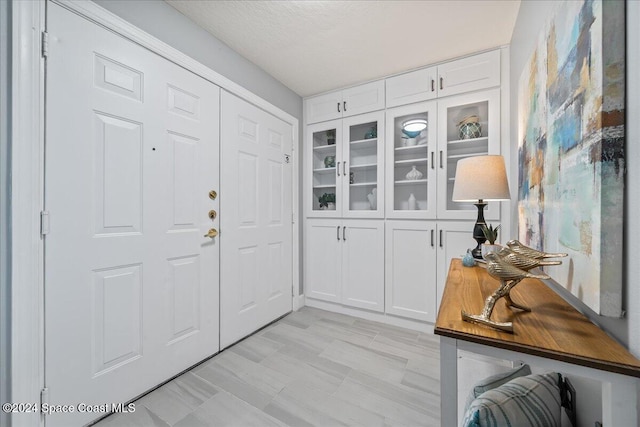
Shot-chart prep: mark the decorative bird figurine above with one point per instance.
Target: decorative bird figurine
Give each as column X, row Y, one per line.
column 509, row 276
column 521, row 249
column 523, row 262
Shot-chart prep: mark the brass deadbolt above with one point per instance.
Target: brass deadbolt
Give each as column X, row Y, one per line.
column 213, row 214
column 213, row 194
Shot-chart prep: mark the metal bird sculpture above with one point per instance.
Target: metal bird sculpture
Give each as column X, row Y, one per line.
column 509, row 276
column 523, row 263
column 521, row 249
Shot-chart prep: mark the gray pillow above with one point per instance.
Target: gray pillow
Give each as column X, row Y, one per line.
column 531, row 401
column 494, row 381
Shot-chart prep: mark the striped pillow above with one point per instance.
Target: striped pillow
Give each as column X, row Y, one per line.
column 531, row 401
column 494, row 381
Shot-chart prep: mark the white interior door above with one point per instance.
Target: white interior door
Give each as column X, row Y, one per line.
column 131, row 284
column 256, row 212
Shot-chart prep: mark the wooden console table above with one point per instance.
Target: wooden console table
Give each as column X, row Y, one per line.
column 553, row 336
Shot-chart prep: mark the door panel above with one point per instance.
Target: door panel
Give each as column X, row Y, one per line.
column 454, row 238
column 323, row 259
column 256, row 197
column 363, row 264
column 131, row 284
column 410, row 289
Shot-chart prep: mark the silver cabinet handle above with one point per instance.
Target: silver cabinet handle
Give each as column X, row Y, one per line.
column 338, row 232
column 344, row 168
column 441, row 167
column 441, row 238
column 344, row 230
column 338, row 168
column 432, row 242
column 433, row 165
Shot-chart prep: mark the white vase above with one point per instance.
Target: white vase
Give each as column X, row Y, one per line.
column 486, row 248
column 373, row 199
column 412, row 202
column 413, row 174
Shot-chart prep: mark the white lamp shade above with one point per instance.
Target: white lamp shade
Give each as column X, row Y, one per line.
column 481, row 178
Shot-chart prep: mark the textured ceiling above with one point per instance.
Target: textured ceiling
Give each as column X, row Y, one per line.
column 315, row 46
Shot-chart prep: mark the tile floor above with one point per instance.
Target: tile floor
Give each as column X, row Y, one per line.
column 311, row 368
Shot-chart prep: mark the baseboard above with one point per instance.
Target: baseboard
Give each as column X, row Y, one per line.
column 401, row 322
column 298, row 302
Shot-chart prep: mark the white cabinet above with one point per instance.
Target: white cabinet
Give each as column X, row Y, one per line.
column 344, row 103
column 453, row 240
column 454, row 144
column 410, row 279
column 415, row 86
column 468, row 74
column 345, row 167
column 411, row 195
column 418, row 254
column 476, row 72
column 344, row 262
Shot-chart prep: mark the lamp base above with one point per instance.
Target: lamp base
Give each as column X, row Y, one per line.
column 478, row 235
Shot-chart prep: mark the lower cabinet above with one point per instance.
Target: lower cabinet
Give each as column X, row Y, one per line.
column 418, row 254
column 344, row 262
column 398, row 267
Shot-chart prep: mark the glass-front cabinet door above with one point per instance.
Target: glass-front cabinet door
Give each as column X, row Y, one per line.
column 468, row 126
column 323, row 184
column 361, row 167
column 411, row 173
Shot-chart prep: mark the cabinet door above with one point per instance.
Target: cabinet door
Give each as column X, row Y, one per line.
column 323, row 107
column 362, row 170
column 416, row 86
column 454, row 238
column 473, row 73
column 411, row 194
column 363, row 264
column 410, row 271
column 455, row 144
column 323, row 254
column 323, row 155
column 363, row 99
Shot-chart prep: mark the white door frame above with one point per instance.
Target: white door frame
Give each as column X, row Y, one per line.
column 27, row 183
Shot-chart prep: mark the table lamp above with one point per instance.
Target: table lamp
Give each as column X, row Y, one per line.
column 480, row 179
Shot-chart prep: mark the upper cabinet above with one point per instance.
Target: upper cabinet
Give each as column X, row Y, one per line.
column 468, row 74
column 476, row 72
column 345, row 167
column 416, row 86
column 345, row 103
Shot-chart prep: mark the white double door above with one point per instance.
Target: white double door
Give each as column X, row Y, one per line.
column 131, row 281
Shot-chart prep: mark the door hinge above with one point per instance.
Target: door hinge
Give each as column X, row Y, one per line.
column 44, row 396
column 45, row 44
column 44, row 223
column 293, row 218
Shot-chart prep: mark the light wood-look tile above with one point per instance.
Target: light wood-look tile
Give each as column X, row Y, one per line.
column 311, row 368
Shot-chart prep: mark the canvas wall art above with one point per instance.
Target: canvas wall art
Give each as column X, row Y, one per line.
column 571, row 149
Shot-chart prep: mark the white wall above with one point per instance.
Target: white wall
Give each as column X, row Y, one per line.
column 531, row 18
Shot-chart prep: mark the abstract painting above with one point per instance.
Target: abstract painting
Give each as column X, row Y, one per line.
column 571, row 149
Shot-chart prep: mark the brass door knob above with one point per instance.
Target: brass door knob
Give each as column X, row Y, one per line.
column 213, row 194
column 211, row 233
column 213, row 214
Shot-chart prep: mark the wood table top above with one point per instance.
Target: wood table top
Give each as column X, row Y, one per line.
column 553, row 329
